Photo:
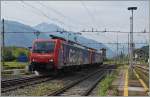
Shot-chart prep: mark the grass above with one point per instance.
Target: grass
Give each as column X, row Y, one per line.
column 38, row 90
column 17, row 50
column 116, row 62
column 15, row 65
column 105, row 84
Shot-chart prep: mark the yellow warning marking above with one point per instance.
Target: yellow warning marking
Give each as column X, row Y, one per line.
column 126, row 84
column 141, row 81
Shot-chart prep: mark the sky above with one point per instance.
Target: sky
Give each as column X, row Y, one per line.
column 79, row 15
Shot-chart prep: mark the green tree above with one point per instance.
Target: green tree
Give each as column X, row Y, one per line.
column 8, row 55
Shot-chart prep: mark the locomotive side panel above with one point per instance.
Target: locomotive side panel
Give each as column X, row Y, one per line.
column 98, row 58
column 60, row 62
column 72, row 55
column 101, row 58
column 86, row 57
column 93, row 57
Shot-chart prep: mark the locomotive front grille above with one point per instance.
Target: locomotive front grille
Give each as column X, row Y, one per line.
column 43, row 66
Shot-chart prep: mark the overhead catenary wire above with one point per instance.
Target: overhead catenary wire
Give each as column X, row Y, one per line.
column 40, row 12
column 74, row 22
column 86, row 42
column 52, row 9
column 36, row 12
column 88, row 12
column 115, row 43
column 89, row 31
column 43, row 14
column 106, row 31
column 30, row 32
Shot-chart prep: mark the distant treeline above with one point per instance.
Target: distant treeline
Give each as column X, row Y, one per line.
column 12, row 53
column 143, row 53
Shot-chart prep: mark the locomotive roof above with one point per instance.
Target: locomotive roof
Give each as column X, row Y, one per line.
column 54, row 38
column 38, row 40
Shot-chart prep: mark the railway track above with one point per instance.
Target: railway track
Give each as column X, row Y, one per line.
column 12, row 84
column 143, row 73
column 9, row 86
column 14, row 81
column 82, row 86
column 143, row 69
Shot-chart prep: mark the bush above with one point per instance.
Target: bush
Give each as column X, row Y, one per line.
column 12, row 53
column 8, row 56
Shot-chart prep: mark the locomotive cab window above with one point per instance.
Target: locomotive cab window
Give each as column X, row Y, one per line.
column 44, row 47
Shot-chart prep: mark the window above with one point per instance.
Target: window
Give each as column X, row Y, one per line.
column 44, row 47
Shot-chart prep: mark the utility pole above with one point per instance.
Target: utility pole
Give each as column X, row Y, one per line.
column 128, row 50
column 37, row 34
column 3, row 43
column 68, row 34
column 149, row 51
column 131, row 36
column 123, row 59
column 117, row 50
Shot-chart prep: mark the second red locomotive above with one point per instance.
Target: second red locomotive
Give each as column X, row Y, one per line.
column 57, row 53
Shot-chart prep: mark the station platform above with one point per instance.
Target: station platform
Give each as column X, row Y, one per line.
column 126, row 86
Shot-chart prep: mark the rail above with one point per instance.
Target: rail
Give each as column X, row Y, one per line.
column 70, row 85
column 13, row 84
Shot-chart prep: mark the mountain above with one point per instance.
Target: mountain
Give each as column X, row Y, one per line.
column 13, row 26
column 45, row 27
column 25, row 39
column 94, row 44
column 19, row 39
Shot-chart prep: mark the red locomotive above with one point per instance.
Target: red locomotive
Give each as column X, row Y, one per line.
column 57, row 53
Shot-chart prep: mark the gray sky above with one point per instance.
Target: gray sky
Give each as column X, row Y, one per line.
column 79, row 15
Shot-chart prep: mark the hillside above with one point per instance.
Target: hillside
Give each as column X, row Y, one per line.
column 19, row 39
column 25, row 39
column 45, row 27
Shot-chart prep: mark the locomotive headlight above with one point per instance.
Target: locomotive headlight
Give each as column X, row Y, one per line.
column 51, row 60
